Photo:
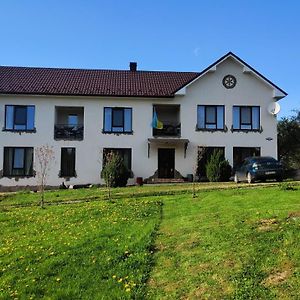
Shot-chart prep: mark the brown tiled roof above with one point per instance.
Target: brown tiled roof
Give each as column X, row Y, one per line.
column 54, row 81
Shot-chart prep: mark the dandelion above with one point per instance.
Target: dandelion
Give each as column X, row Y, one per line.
column 127, row 290
column 120, row 280
column 58, row 279
column 114, row 276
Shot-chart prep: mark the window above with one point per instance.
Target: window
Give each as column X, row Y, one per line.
column 18, row 161
column 19, row 117
column 73, row 120
column 240, row 153
column 210, row 117
column 67, row 163
column 117, row 119
column 125, row 153
column 246, row 118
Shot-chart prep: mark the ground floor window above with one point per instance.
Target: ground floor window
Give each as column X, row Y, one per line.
column 240, row 153
column 204, row 154
column 125, row 154
column 18, row 161
column 67, row 162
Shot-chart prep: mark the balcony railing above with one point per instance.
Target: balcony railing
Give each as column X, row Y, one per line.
column 168, row 130
column 68, row 132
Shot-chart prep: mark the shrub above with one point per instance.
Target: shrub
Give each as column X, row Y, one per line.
column 115, row 173
column 225, row 170
column 217, row 168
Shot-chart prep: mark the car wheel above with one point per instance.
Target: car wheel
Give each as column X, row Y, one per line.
column 236, row 179
column 249, row 178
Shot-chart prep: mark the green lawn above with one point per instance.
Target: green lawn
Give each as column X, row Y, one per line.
column 97, row 250
column 231, row 244
column 155, row 242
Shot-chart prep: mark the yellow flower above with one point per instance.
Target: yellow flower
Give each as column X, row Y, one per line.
column 58, row 279
column 114, row 276
column 120, row 280
column 127, row 290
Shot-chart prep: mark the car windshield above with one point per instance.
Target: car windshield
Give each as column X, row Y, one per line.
column 262, row 160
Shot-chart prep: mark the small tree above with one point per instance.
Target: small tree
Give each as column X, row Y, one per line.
column 217, row 168
column 114, row 172
column 45, row 156
column 200, row 154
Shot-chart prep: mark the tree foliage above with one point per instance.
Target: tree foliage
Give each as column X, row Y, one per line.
column 115, row 173
column 217, row 168
column 289, row 141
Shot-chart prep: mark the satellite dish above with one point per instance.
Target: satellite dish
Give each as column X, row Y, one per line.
column 274, row 108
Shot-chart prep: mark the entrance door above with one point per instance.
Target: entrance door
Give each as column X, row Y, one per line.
column 166, row 163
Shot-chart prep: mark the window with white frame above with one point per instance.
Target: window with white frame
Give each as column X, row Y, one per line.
column 18, row 161
column 67, row 162
column 19, row 117
column 210, row 117
column 246, row 118
column 117, row 120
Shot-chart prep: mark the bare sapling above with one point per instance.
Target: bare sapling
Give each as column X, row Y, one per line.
column 45, row 156
column 199, row 156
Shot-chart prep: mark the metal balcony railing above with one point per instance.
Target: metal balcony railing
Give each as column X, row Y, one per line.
column 68, row 132
column 168, row 130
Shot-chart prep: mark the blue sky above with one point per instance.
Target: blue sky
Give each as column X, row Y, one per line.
column 159, row 34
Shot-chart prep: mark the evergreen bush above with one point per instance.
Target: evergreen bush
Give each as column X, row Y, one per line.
column 217, row 168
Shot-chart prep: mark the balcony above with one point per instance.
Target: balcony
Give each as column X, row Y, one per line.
column 69, row 123
column 68, row 132
column 167, row 130
column 169, row 116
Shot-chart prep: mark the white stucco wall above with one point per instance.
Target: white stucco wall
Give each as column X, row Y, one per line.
column 207, row 90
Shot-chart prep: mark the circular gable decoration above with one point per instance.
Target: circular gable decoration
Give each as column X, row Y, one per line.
column 229, row 81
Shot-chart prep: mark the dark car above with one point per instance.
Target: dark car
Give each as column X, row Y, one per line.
column 259, row 168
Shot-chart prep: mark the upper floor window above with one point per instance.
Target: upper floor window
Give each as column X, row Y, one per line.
column 19, row 117
column 18, row 161
column 118, row 120
column 246, row 118
column 210, row 117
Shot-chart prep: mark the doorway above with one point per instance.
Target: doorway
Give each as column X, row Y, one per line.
column 166, row 163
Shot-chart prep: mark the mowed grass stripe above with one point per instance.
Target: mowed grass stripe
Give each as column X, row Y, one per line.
column 82, row 251
column 233, row 244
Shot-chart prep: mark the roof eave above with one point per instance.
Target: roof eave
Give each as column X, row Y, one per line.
column 5, row 93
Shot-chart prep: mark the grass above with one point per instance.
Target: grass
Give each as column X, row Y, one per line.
column 155, row 242
column 229, row 244
column 27, row 198
column 81, row 251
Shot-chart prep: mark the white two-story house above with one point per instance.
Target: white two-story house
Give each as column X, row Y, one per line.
column 160, row 122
